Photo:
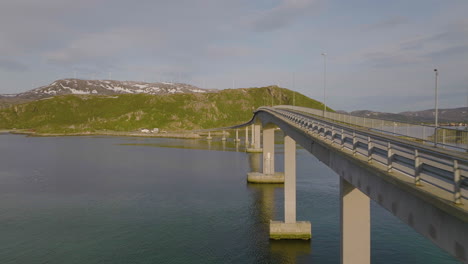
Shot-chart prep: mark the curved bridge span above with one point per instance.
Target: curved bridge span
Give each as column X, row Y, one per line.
column 424, row 186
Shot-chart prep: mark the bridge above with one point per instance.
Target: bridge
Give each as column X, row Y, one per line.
column 424, row 185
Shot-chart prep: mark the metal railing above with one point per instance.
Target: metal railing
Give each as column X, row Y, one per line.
column 456, row 139
column 443, row 169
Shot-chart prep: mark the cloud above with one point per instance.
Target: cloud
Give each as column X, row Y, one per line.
column 282, row 15
column 453, row 51
column 104, row 46
column 392, row 59
column 226, row 51
column 449, row 42
column 12, row 66
column 386, row 23
column 28, row 26
column 412, row 45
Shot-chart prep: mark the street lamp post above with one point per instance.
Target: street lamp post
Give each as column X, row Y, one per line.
column 324, row 82
column 436, row 107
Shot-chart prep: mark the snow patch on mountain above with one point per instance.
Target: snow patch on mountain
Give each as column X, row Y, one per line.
column 106, row 87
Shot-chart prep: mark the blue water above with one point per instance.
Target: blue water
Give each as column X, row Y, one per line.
column 143, row 200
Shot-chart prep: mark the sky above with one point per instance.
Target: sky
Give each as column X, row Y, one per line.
column 381, row 55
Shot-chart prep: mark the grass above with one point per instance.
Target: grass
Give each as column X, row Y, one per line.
column 129, row 112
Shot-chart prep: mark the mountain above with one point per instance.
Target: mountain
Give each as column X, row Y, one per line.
column 98, row 87
column 77, row 113
column 459, row 114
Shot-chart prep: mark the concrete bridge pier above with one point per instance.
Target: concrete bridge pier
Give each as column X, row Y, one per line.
column 290, row 228
column 255, row 146
column 237, row 136
column 355, row 224
column 269, row 175
column 224, row 136
column 246, row 137
column 253, row 136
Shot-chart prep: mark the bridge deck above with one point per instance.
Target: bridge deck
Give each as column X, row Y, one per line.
column 442, row 173
column 424, row 186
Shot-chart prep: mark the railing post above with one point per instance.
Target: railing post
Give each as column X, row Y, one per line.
column 394, row 128
column 354, row 143
column 332, row 135
column 342, row 138
column 443, row 137
column 389, row 157
column 417, row 168
column 456, row 183
column 369, row 149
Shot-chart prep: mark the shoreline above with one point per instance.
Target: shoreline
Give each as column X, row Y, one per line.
column 179, row 135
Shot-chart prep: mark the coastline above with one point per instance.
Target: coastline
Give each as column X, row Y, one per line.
column 180, row 135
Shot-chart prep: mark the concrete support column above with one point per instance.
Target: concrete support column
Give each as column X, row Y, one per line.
column 257, row 137
column 290, row 228
column 253, row 136
column 246, row 136
column 224, row 136
column 255, row 145
column 237, row 135
column 268, row 175
column 355, row 225
column 269, row 151
column 289, row 180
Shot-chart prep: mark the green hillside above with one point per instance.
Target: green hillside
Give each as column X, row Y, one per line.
column 73, row 114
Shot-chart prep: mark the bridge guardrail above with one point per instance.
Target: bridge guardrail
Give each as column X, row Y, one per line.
column 450, row 138
column 438, row 168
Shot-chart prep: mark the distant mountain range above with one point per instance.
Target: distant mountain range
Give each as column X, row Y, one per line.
column 426, row 116
column 98, row 87
column 112, row 87
column 77, row 113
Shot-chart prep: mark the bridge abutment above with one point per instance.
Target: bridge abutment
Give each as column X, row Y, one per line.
column 290, row 228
